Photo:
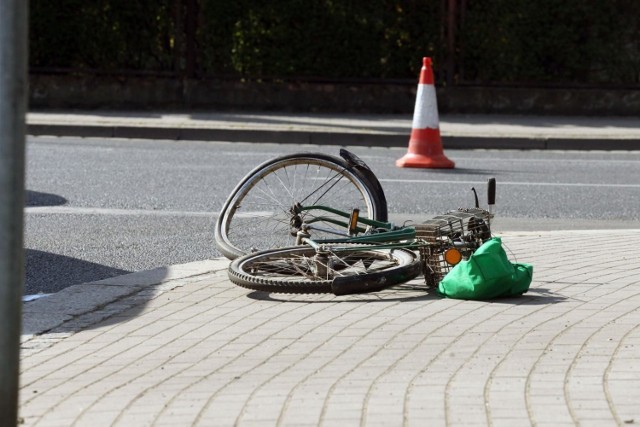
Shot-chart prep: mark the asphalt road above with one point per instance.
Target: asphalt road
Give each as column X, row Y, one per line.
column 98, row 208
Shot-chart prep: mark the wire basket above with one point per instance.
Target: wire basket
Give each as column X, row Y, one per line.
column 463, row 230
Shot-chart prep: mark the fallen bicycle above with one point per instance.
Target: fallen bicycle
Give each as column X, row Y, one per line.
column 313, row 223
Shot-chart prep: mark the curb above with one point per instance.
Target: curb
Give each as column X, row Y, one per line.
column 328, row 138
column 91, row 302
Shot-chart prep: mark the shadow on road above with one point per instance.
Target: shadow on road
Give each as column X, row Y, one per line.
column 48, row 272
column 410, row 292
column 35, row 198
column 88, row 304
column 401, row 294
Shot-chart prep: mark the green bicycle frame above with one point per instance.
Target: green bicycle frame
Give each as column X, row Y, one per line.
column 387, row 234
column 365, row 221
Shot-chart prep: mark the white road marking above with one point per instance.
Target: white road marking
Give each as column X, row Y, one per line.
column 71, row 210
column 533, row 184
column 27, row 298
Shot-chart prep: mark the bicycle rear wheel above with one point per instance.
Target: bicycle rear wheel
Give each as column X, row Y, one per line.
column 258, row 214
column 337, row 269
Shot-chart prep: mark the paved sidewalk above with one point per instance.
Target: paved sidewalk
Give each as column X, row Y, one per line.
column 458, row 131
column 183, row 346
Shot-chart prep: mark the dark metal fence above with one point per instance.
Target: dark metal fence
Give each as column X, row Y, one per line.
column 584, row 42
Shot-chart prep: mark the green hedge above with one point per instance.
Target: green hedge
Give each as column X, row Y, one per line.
column 497, row 41
column 348, row 39
column 582, row 41
column 103, row 34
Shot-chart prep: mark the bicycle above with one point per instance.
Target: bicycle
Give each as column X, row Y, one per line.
column 341, row 246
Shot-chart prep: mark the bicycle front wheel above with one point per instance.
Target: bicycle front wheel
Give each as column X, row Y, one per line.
column 337, row 269
column 258, row 215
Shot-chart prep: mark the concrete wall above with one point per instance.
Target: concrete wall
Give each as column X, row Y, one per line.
column 148, row 93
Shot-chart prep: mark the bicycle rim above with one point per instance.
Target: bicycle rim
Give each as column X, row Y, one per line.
column 301, row 269
column 258, row 214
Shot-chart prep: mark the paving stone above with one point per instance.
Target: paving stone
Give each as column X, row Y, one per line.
column 184, row 346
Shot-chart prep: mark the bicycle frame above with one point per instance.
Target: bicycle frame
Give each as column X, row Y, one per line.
column 354, row 254
column 431, row 240
column 385, row 231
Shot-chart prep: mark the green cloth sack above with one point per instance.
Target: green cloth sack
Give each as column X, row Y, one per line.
column 487, row 274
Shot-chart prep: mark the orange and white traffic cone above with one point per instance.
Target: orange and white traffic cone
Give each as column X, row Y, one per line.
column 425, row 145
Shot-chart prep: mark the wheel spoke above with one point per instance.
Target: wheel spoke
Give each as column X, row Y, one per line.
column 364, row 262
column 277, row 188
column 301, row 269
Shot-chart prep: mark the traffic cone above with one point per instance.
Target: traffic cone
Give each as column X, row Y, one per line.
column 425, row 145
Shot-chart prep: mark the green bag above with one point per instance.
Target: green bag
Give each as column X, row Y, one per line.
column 487, row 274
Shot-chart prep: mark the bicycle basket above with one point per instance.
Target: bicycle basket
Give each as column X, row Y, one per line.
column 464, row 229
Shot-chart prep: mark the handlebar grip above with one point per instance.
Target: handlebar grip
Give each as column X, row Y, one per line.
column 491, row 192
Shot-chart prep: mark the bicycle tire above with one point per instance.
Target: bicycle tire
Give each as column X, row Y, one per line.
column 256, row 212
column 291, row 270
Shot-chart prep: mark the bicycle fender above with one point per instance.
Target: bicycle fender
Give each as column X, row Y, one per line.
column 362, row 169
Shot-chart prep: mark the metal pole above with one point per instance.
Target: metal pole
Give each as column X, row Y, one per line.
column 13, row 102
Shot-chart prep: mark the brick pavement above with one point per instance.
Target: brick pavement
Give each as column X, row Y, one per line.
column 186, row 347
